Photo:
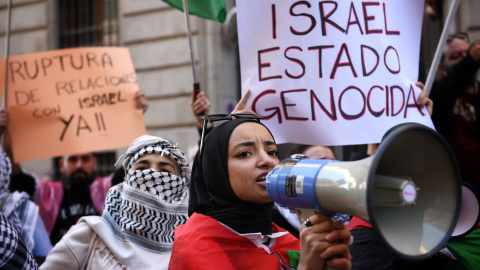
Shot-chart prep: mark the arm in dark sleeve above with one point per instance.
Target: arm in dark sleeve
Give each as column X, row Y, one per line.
column 445, row 91
column 23, row 182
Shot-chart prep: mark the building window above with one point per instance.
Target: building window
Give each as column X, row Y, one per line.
column 87, row 23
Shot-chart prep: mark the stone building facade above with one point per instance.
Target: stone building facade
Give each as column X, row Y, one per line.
column 155, row 35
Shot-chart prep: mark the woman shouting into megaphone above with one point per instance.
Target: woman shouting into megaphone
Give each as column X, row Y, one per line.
column 230, row 222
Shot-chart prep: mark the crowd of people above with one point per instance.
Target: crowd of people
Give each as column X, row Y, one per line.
column 159, row 211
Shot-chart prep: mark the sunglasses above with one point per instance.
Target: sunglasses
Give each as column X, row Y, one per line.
column 462, row 36
column 222, row 117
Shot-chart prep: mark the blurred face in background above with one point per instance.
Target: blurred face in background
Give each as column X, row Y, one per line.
column 455, row 50
column 78, row 168
column 319, row 152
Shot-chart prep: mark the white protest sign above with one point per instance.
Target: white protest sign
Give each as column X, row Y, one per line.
column 331, row 72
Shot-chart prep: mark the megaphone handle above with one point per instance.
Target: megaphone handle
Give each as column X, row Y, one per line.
column 303, row 214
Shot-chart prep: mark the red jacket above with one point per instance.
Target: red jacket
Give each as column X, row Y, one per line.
column 204, row 243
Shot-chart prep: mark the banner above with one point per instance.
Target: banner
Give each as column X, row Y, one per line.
column 71, row 101
column 331, row 72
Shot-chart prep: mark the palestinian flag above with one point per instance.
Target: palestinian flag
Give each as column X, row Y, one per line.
column 208, row 9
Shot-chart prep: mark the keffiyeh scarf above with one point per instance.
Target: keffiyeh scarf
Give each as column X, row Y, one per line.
column 148, row 205
column 16, row 206
column 14, row 254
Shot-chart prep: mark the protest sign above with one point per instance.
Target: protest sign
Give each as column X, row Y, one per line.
column 331, row 72
column 71, row 101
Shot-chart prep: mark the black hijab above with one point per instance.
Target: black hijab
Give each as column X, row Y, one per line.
column 211, row 193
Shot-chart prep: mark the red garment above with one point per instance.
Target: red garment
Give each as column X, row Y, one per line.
column 357, row 223
column 49, row 197
column 204, row 243
column 98, row 192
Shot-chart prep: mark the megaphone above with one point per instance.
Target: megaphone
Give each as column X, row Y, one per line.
column 409, row 190
column 469, row 215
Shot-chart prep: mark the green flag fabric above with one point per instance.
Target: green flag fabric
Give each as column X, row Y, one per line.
column 465, row 249
column 208, row 9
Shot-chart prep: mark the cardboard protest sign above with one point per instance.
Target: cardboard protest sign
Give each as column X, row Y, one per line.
column 71, row 101
column 331, row 72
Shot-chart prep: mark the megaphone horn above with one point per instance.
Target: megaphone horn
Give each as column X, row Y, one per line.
column 409, row 190
column 469, row 215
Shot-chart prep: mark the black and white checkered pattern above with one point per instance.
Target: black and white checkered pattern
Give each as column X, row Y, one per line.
column 162, row 148
column 147, row 207
column 13, row 251
column 5, row 171
column 166, row 186
column 16, row 206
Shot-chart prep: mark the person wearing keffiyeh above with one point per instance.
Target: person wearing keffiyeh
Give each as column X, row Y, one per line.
column 135, row 230
column 22, row 213
column 14, row 253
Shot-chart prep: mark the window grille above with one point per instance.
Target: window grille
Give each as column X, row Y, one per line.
column 87, row 23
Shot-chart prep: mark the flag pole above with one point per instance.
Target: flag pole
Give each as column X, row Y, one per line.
column 5, row 83
column 196, row 83
column 7, row 52
column 441, row 45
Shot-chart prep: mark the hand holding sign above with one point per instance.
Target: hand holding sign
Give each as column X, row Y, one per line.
column 4, row 120
column 423, row 99
column 141, row 102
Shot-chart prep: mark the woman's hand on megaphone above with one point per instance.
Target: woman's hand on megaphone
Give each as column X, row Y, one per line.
column 324, row 241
